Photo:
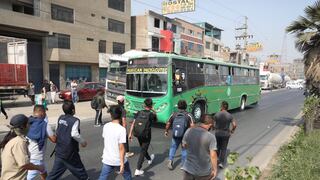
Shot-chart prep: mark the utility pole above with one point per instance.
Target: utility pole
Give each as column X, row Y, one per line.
column 283, row 58
column 244, row 36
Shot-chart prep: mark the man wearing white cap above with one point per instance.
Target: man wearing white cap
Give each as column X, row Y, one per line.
column 120, row 100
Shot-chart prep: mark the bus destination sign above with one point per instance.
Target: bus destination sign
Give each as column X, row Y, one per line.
column 147, row 70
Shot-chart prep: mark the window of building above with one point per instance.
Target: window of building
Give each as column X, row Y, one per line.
column 90, row 39
column 208, row 45
column 118, row 48
column 115, row 26
column 103, row 75
column 156, row 23
column 23, row 7
column 190, row 46
column 102, row 46
column 81, row 73
column 199, row 35
column 216, row 47
column 155, row 44
column 190, row 32
column 116, row 4
column 183, row 30
column 199, row 48
column 61, row 13
column 165, row 25
column 174, row 28
column 59, row 41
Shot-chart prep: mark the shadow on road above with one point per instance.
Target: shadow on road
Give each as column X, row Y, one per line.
column 289, row 121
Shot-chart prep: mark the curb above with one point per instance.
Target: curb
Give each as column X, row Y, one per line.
column 264, row 157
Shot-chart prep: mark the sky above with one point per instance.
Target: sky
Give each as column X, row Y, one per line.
column 267, row 20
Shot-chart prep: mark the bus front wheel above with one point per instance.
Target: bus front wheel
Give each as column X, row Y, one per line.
column 198, row 112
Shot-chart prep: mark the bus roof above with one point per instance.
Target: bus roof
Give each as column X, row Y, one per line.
column 168, row 55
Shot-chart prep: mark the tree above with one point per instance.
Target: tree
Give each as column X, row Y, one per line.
column 307, row 32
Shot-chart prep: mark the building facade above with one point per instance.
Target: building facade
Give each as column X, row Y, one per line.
column 155, row 32
column 213, row 47
column 191, row 39
column 66, row 38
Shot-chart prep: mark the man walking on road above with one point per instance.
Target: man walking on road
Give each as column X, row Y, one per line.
column 67, row 148
column 39, row 131
column 120, row 100
column 98, row 103
column 114, row 136
column 141, row 128
column 180, row 122
column 223, row 119
column 201, row 161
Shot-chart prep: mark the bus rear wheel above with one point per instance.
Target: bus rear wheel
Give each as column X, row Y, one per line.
column 198, row 112
column 243, row 103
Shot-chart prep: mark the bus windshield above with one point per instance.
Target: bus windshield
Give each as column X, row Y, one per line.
column 147, row 77
column 147, row 85
column 117, row 67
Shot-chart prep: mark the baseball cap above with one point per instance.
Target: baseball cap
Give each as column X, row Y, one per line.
column 120, row 98
column 18, row 121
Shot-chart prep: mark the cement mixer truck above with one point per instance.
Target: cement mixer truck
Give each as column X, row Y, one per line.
column 271, row 80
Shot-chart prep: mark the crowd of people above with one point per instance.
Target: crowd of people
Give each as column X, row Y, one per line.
column 202, row 152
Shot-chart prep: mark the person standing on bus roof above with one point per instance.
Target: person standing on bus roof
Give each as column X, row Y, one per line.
column 3, row 111
column 180, row 122
column 120, row 100
column 223, row 119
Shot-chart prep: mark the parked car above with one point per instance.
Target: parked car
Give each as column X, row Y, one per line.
column 86, row 91
column 294, row 85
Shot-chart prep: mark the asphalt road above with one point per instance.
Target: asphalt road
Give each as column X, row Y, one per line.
column 257, row 126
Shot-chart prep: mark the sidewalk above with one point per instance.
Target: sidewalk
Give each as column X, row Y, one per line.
column 23, row 106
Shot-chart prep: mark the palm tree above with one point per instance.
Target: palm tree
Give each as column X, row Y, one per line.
column 307, row 32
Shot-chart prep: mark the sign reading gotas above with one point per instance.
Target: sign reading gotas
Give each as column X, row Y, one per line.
column 178, row 6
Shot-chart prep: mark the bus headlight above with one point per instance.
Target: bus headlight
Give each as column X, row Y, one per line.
column 161, row 107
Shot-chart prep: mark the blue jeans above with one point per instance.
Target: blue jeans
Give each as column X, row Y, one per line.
column 106, row 170
column 74, row 96
column 174, row 146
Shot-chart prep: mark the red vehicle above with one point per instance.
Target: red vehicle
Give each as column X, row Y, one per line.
column 86, row 91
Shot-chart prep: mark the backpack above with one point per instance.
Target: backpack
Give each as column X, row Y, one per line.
column 142, row 124
column 179, row 125
column 94, row 102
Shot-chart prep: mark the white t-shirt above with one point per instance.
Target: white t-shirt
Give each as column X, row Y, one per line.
column 113, row 135
column 33, row 147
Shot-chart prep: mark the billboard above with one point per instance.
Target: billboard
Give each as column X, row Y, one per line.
column 254, row 47
column 178, row 6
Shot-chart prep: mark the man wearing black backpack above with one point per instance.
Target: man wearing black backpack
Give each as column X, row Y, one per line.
column 141, row 128
column 180, row 122
column 98, row 103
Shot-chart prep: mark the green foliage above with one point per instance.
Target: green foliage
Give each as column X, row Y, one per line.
column 299, row 159
column 311, row 111
column 240, row 173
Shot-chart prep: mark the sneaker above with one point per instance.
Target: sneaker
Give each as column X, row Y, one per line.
column 97, row 125
column 152, row 158
column 138, row 172
column 129, row 154
column 170, row 165
column 221, row 166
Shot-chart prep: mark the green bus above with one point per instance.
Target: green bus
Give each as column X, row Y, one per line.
column 203, row 83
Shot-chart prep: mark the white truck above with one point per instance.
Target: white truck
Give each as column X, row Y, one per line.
column 270, row 80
